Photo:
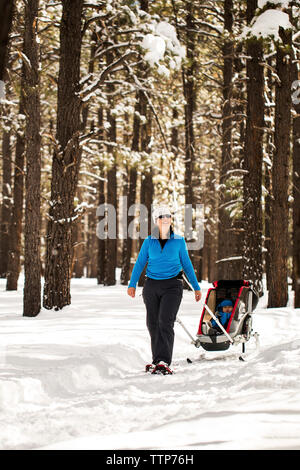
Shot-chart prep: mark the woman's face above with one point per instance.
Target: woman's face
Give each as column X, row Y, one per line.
column 164, row 222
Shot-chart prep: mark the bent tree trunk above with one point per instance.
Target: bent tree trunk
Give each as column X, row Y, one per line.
column 66, row 161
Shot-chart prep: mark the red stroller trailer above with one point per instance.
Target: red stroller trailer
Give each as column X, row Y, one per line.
column 239, row 326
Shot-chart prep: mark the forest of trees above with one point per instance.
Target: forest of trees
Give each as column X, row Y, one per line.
column 167, row 101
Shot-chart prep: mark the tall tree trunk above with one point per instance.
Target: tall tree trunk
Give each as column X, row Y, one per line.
column 91, row 237
column 253, row 157
column 101, row 246
column 6, row 202
column 101, row 256
column 131, row 196
column 225, row 239
column 189, row 108
column 268, row 171
column 81, row 243
column 6, row 16
column 111, row 243
column 147, row 187
column 66, row 161
column 278, row 292
column 296, row 185
column 174, row 157
column 125, row 192
column 14, row 255
column 78, row 242
column 211, row 225
column 124, row 260
column 92, row 245
column 32, row 262
column 239, row 136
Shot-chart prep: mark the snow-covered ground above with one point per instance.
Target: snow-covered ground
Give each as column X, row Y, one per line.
column 75, row 379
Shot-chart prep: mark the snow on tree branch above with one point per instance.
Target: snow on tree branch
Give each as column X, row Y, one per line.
column 268, row 22
column 158, row 43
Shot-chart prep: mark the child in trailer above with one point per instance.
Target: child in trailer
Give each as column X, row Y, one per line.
column 223, row 314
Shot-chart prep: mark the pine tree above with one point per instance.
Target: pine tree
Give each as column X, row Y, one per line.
column 296, row 175
column 253, row 156
column 111, row 242
column 5, row 208
column 278, row 290
column 6, row 17
column 32, row 263
column 66, row 161
column 225, row 236
column 15, row 230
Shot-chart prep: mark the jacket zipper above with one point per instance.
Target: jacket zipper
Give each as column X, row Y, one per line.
column 161, row 249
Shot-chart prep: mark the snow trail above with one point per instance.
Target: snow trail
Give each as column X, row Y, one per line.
column 75, row 379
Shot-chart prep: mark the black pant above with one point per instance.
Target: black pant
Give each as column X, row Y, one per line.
column 162, row 299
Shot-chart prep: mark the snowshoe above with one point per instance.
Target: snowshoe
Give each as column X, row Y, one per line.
column 162, row 368
column 149, row 367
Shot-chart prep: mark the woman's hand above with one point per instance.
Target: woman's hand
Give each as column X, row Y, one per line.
column 131, row 291
column 197, row 295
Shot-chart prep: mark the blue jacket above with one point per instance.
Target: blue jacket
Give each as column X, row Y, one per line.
column 223, row 317
column 164, row 263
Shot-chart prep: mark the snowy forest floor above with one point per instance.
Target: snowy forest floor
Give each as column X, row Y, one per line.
column 75, row 379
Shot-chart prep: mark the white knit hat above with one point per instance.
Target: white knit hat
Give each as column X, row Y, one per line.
column 160, row 210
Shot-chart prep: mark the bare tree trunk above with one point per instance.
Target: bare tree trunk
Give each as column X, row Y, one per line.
column 92, row 243
column 111, row 243
column 131, row 196
column 147, row 187
column 225, row 237
column 78, row 243
column 210, row 234
column 268, row 174
column 6, row 16
column 278, row 292
column 253, row 157
column 66, row 161
column 189, row 108
column 296, row 187
column 125, row 192
column 101, row 254
column 6, row 202
column 14, row 255
column 32, row 262
column 190, row 171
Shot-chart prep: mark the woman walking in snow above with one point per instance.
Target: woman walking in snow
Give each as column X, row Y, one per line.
column 166, row 254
